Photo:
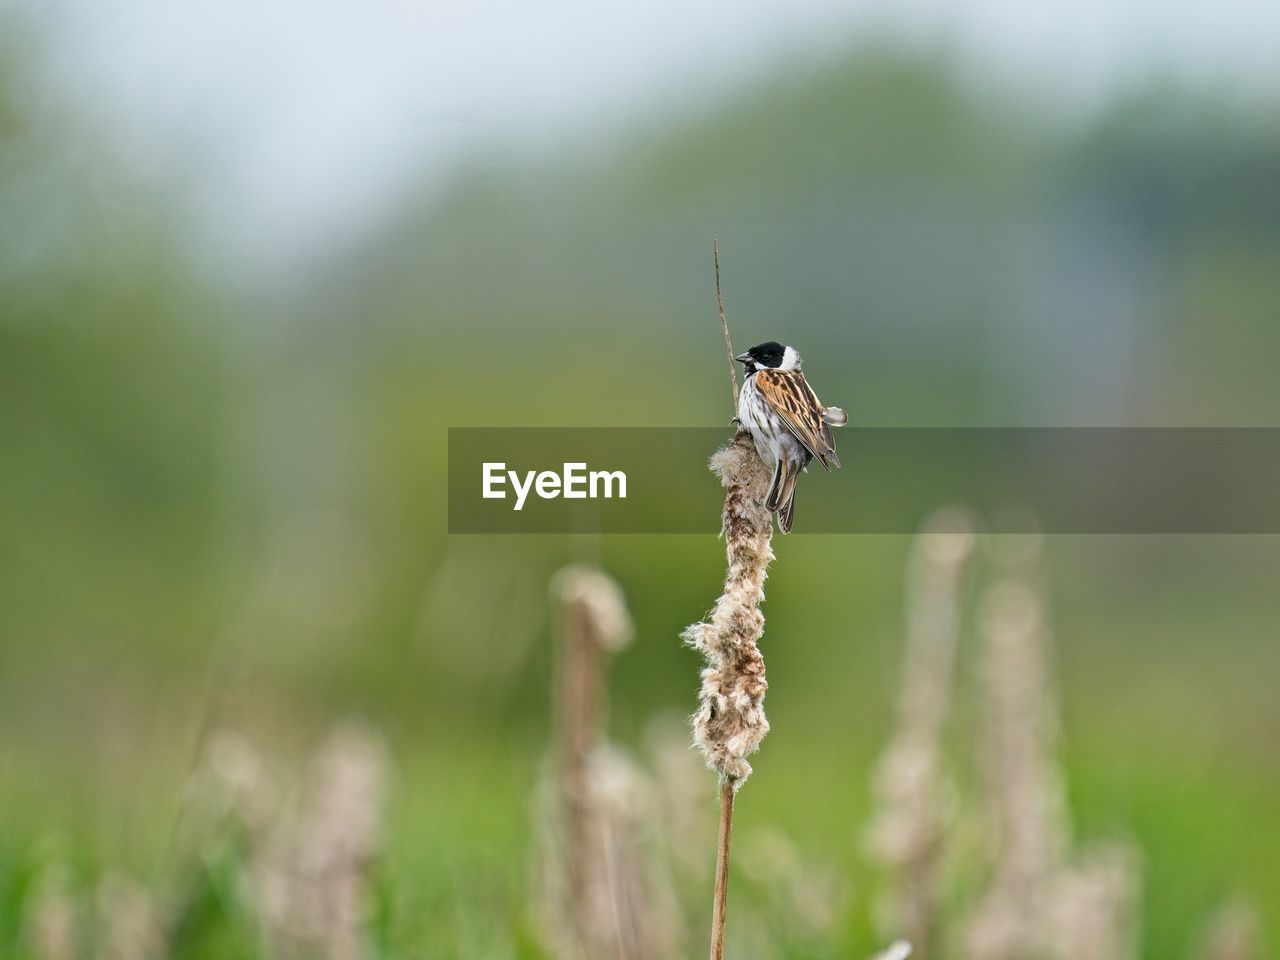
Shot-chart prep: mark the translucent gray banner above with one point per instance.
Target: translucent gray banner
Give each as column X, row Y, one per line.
column 1070, row 480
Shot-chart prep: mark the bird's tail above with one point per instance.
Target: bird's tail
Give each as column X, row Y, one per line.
column 782, row 492
column 786, row 512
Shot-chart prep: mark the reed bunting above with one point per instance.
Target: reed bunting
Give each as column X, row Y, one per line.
column 787, row 422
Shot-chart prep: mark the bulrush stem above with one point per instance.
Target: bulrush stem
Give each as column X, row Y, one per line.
column 720, row 902
column 730, row 722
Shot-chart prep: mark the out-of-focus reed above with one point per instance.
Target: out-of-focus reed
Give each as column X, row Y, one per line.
column 50, row 916
column 1025, row 889
column 299, row 870
column 128, row 921
column 906, row 834
column 310, row 879
column 603, row 892
column 1042, row 898
column 622, row 844
column 1234, row 932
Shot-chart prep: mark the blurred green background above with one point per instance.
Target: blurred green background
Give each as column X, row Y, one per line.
column 221, row 475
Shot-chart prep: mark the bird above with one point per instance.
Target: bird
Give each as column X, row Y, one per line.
column 787, row 422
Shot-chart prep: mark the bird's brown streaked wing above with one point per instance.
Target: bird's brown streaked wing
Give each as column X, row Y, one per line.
column 791, row 397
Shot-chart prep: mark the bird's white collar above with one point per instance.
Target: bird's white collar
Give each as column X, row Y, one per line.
column 790, row 359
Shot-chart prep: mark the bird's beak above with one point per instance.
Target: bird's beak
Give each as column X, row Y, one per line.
column 743, row 357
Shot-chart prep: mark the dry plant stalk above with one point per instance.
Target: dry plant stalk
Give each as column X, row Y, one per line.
column 310, row 878
column 231, row 785
column 632, row 912
column 906, row 831
column 129, row 925
column 605, row 900
column 125, row 926
column 1234, row 933
column 50, row 920
column 1087, row 910
column 724, row 325
column 730, row 721
column 720, row 895
column 1025, row 793
column 593, row 621
column 1044, row 900
column 1022, row 733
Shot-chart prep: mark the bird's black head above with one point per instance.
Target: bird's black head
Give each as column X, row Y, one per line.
column 769, row 354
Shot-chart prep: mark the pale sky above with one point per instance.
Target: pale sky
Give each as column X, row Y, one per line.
column 307, row 115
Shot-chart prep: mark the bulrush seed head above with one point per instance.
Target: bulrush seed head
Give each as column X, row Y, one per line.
column 730, row 721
